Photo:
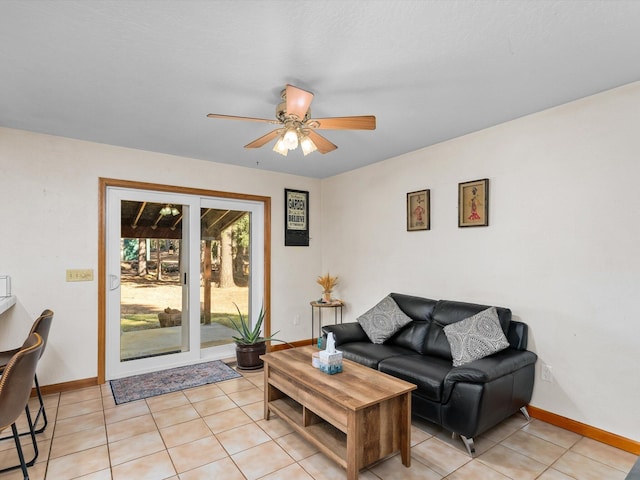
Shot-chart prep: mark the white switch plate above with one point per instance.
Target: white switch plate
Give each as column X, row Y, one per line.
column 80, row 275
column 5, row 286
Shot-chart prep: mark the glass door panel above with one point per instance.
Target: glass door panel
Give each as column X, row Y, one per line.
column 225, row 266
column 151, row 287
column 147, row 308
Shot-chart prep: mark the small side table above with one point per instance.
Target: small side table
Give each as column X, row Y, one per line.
column 336, row 305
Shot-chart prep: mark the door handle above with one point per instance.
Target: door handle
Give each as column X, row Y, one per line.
column 114, row 282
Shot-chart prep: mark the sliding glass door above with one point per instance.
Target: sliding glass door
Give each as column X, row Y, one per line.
column 177, row 267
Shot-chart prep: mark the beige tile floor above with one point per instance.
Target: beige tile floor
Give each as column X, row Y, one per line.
column 217, row 432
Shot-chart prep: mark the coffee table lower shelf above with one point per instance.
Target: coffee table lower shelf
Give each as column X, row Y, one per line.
column 327, row 438
column 355, row 418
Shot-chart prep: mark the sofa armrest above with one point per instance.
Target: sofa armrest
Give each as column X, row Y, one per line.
column 487, row 369
column 345, row 333
column 518, row 335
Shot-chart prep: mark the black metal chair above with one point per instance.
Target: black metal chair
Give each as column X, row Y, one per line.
column 15, row 390
column 41, row 326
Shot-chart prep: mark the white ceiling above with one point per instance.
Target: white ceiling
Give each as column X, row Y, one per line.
column 144, row 74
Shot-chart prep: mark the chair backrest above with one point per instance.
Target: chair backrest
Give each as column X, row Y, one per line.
column 17, row 380
column 41, row 326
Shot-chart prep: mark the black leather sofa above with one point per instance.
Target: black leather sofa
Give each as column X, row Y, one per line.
column 466, row 400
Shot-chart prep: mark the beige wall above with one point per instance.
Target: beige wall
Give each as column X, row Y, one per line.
column 561, row 250
column 49, row 223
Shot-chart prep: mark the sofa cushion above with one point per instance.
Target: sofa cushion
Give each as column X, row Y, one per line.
column 427, row 373
column 418, row 308
column 411, row 336
column 475, row 337
column 370, row 355
column 383, row 320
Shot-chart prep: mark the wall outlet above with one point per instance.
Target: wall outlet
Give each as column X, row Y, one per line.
column 546, row 373
column 296, row 320
column 80, row 275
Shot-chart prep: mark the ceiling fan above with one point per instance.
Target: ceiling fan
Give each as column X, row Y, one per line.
column 298, row 128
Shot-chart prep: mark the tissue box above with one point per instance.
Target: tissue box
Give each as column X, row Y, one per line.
column 5, row 286
column 330, row 363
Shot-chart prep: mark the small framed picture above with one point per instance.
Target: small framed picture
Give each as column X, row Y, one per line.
column 418, row 210
column 296, row 212
column 473, row 203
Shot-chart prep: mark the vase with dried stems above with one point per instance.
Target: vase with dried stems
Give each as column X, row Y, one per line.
column 327, row 282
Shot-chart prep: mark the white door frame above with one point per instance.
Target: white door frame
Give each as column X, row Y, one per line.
column 190, row 261
column 114, row 367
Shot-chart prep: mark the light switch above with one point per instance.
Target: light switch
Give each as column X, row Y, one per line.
column 80, row 275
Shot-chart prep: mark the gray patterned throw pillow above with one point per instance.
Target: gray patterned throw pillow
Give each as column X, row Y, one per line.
column 383, row 320
column 475, row 337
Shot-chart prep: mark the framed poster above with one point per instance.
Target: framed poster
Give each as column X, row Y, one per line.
column 418, row 210
column 473, row 203
column 296, row 212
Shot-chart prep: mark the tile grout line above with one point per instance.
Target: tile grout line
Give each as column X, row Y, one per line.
column 153, row 418
column 106, row 432
column 53, row 431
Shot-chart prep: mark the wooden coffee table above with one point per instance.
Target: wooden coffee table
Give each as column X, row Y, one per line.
column 355, row 417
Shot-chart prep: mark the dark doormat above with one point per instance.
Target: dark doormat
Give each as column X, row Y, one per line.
column 166, row 381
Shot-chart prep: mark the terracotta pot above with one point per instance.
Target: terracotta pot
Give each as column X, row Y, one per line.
column 248, row 356
column 326, row 296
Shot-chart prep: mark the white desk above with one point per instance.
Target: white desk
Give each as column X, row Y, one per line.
column 6, row 303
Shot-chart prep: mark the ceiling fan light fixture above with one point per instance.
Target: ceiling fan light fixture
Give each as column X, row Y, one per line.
column 169, row 209
column 307, row 145
column 280, row 147
column 295, row 125
column 290, row 139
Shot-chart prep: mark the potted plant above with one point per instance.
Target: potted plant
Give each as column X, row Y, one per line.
column 249, row 343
